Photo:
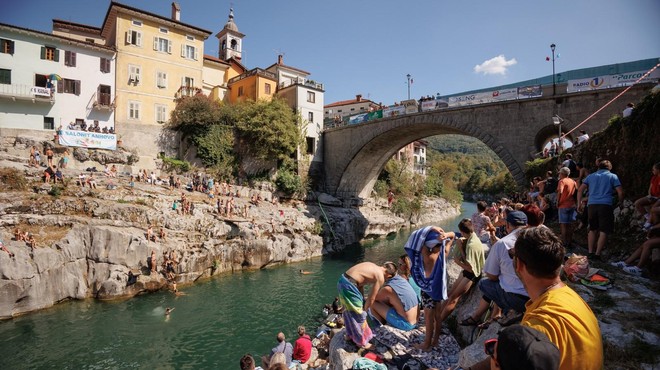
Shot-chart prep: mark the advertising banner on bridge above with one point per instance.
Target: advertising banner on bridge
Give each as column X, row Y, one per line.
column 395, row 110
column 434, row 104
column 504, row 94
column 410, row 105
column 585, row 84
column 457, row 101
column 533, row 91
column 86, row 139
column 623, row 79
column 358, row 118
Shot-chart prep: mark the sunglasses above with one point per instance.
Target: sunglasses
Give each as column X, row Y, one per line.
column 489, row 347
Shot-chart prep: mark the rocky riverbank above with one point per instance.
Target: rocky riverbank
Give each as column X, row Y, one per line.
column 88, row 240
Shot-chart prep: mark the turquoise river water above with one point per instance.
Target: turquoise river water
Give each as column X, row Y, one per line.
column 212, row 326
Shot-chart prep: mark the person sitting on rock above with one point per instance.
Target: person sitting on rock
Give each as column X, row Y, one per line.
column 642, row 254
column 162, row 234
column 48, row 174
column 302, row 348
column 396, row 302
column 150, row 233
column 91, row 181
column 643, row 203
column 283, row 347
column 470, row 257
column 30, row 241
column 59, row 176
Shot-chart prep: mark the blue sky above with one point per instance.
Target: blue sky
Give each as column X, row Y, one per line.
column 367, row 47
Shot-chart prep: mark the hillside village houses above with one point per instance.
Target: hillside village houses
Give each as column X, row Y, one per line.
column 129, row 73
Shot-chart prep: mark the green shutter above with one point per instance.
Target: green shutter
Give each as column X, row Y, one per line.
column 43, row 52
column 77, row 87
column 57, row 55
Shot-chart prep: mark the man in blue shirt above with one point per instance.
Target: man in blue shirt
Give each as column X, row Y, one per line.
column 601, row 185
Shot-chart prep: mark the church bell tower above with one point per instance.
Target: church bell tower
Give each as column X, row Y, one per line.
column 231, row 41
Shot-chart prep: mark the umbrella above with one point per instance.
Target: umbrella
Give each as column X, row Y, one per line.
column 54, row 77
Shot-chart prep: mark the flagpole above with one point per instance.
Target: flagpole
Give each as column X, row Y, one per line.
column 408, row 75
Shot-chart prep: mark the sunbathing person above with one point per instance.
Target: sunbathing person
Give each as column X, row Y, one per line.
column 2, row 247
column 642, row 254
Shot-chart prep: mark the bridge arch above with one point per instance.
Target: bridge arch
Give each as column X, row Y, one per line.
column 515, row 130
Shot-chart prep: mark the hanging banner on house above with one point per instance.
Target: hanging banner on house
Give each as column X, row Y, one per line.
column 86, row 139
column 40, row 91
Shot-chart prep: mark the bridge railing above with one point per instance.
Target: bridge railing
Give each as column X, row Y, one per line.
column 432, row 103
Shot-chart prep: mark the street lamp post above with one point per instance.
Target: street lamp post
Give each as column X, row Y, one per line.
column 409, row 76
column 554, row 90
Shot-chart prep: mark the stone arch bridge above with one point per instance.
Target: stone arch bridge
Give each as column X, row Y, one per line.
column 516, row 130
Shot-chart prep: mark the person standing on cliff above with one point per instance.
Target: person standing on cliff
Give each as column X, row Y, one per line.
column 601, row 185
column 351, row 295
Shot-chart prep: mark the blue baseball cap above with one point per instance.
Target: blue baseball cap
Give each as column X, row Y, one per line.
column 516, row 218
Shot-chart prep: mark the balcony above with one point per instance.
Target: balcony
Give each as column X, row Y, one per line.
column 303, row 82
column 103, row 101
column 253, row 72
column 186, row 91
column 36, row 94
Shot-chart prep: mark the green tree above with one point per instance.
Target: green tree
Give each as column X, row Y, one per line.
column 270, row 128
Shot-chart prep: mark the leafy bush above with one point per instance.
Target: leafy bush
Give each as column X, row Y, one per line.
column 316, row 228
column 12, row 179
column 289, row 183
column 175, row 165
column 55, row 191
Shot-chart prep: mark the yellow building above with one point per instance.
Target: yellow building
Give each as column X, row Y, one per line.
column 159, row 60
column 255, row 84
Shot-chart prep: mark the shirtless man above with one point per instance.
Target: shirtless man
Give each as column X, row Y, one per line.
column 351, row 295
column 303, row 272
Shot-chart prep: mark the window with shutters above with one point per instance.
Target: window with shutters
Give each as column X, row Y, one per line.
column 134, row 74
column 163, row 45
column 310, row 117
column 105, row 65
column 189, row 52
column 240, row 91
column 267, row 88
column 68, row 86
column 311, row 97
column 50, row 53
column 134, row 37
column 134, row 109
column 6, row 46
column 161, row 79
column 161, row 113
column 69, row 58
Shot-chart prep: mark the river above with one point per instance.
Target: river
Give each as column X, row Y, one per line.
column 212, row 326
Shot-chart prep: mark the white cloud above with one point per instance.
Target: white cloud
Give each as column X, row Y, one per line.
column 495, row 66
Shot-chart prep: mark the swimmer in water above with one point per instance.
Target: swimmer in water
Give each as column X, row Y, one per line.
column 303, row 272
column 168, row 310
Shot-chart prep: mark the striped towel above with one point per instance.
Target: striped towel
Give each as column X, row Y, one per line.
column 436, row 284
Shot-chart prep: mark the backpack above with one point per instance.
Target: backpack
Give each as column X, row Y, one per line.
column 573, row 167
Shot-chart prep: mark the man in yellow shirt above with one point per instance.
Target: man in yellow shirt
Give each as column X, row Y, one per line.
column 554, row 308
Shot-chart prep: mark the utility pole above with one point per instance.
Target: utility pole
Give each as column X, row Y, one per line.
column 409, row 77
column 554, row 88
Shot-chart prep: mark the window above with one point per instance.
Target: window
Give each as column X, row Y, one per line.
column 161, row 113
column 133, row 109
column 50, row 53
column 161, row 80
column 134, row 37
column 41, row 81
column 240, row 91
column 90, row 40
column 134, row 75
column 190, row 38
column 311, row 97
column 137, row 22
column 5, row 76
column 187, row 81
column 310, row 145
column 267, row 88
column 310, row 117
column 105, row 65
column 49, row 123
column 233, row 44
column 6, row 46
column 189, row 52
column 69, row 58
column 104, row 96
column 68, row 86
column 163, row 30
column 162, row 45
